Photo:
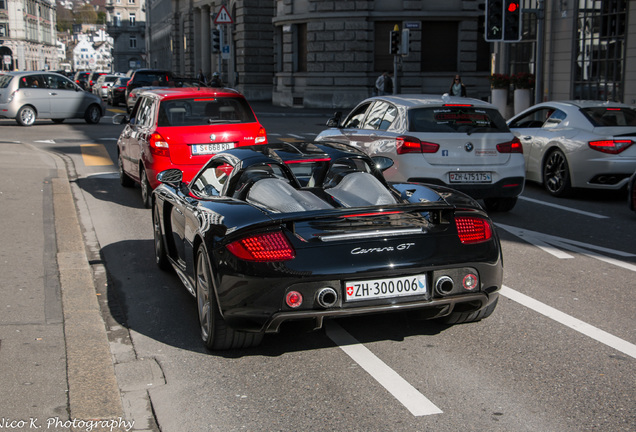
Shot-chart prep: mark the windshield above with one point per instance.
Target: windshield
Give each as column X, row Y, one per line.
column 610, row 116
column 456, row 119
column 5, row 80
column 204, row 111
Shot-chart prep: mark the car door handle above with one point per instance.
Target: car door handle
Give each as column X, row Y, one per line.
column 53, row 93
column 527, row 138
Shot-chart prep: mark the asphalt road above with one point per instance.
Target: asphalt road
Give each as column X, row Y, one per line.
column 558, row 354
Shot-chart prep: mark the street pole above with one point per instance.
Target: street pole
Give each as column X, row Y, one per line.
column 538, row 83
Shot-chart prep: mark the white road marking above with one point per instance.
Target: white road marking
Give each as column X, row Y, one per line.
column 404, row 392
column 569, row 321
column 551, row 244
column 594, row 215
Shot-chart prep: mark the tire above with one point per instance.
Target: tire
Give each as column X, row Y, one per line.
column 93, row 114
column 146, row 189
column 124, row 180
column 500, row 204
column 215, row 333
column 467, row 317
column 556, row 174
column 26, row 116
column 58, row 121
column 161, row 257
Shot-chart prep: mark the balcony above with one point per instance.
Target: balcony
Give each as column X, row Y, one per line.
column 125, row 27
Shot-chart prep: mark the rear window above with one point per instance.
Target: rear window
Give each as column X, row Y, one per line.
column 456, row 119
column 152, row 78
column 204, row 111
column 5, row 80
column 610, row 116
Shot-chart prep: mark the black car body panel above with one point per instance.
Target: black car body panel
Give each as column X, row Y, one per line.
column 403, row 230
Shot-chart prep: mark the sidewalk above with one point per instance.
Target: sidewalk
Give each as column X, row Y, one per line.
column 56, row 365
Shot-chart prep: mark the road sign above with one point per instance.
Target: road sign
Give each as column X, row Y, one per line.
column 223, row 17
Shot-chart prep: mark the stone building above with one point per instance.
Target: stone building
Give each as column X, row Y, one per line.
column 28, row 35
column 127, row 26
column 323, row 53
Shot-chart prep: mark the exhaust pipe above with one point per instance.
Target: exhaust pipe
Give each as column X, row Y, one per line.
column 444, row 285
column 327, row 297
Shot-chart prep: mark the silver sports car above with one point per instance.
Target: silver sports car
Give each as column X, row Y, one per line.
column 578, row 144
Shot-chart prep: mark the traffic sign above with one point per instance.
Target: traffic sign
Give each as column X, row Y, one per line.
column 223, row 17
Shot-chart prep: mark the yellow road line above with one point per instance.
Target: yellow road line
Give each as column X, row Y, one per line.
column 95, row 155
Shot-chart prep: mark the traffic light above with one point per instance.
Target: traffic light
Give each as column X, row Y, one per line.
column 216, row 40
column 395, row 42
column 512, row 21
column 494, row 20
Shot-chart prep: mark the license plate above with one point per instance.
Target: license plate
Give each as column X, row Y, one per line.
column 205, row 149
column 385, row 288
column 470, row 177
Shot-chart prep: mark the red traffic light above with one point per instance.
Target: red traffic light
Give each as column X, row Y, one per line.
column 513, row 6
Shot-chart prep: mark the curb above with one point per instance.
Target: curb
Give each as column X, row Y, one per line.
column 95, row 366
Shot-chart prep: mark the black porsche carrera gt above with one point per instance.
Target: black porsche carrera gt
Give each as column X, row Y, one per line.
column 304, row 231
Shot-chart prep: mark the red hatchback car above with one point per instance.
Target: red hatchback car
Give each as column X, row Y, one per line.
column 181, row 128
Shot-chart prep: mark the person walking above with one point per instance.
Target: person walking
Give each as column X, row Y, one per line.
column 201, row 77
column 384, row 84
column 457, row 87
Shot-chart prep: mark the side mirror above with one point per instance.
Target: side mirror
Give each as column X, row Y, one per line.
column 120, row 119
column 382, row 163
column 334, row 121
column 172, row 177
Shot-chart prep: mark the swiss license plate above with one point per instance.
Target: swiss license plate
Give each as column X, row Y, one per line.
column 205, row 149
column 470, row 177
column 385, row 288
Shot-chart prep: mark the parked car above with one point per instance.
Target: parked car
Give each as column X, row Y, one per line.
column 264, row 235
column 457, row 142
column 577, row 144
column 176, row 82
column 181, row 128
column 26, row 96
column 117, row 92
column 631, row 192
column 148, row 77
column 92, row 79
column 81, row 79
column 103, row 83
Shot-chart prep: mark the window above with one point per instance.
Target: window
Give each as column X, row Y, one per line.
column 439, row 46
column 301, row 48
column 3, row 4
column 132, row 19
column 3, row 30
column 117, row 19
column 600, row 49
column 133, row 42
column 380, row 116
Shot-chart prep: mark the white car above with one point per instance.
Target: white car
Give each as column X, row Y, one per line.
column 457, row 142
column 578, row 144
column 100, row 88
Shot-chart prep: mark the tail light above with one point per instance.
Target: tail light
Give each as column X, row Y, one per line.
column 513, row 146
column 473, row 230
column 261, row 137
column 611, row 146
column 409, row 144
column 12, row 95
column 158, row 145
column 265, row 247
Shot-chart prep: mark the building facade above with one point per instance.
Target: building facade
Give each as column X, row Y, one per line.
column 127, row 26
column 28, row 35
column 322, row 53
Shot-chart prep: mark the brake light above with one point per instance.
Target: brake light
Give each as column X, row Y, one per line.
column 265, row 247
column 457, row 105
column 158, row 146
column 409, row 144
column 513, row 146
column 473, row 230
column 261, row 137
column 610, row 146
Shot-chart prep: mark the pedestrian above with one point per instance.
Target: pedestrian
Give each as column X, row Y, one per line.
column 201, row 76
column 457, row 87
column 384, row 84
column 216, row 80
